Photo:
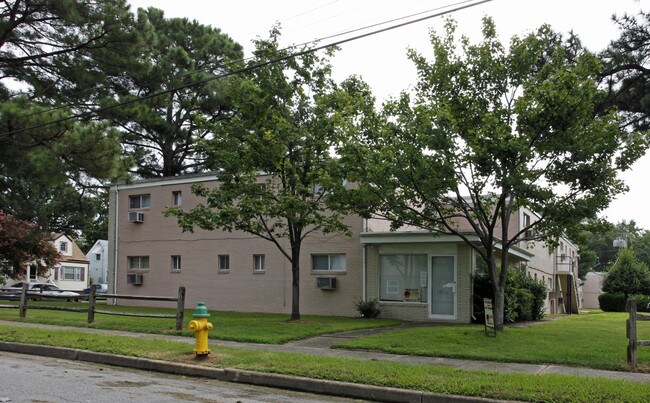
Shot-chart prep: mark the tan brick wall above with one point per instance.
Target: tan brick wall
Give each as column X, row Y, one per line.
column 239, row 289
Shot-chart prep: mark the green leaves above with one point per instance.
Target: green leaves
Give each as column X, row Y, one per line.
column 628, row 275
column 162, row 133
column 490, row 130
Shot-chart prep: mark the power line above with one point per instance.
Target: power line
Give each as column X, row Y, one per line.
column 233, row 62
column 86, row 115
column 295, row 46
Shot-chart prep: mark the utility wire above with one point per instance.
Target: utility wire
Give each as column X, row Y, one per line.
column 233, row 62
column 86, row 115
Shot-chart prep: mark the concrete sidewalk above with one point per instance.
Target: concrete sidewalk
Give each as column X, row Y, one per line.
column 315, row 346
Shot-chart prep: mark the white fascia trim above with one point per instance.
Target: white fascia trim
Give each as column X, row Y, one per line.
column 369, row 238
column 410, row 237
column 517, row 251
column 178, row 180
column 163, row 182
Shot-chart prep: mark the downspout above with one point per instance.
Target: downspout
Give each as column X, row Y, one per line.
column 472, row 263
column 117, row 205
column 364, row 227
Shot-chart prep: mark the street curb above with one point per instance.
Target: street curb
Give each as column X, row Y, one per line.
column 318, row 386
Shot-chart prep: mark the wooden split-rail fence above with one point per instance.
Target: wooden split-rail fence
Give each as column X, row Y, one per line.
column 93, row 297
column 634, row 343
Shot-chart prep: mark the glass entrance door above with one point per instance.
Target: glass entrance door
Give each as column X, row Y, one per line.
column 443, row 287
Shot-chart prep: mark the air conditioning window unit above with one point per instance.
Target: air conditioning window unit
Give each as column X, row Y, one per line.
column 136, row 216
column 135, row 279
column 326, row 283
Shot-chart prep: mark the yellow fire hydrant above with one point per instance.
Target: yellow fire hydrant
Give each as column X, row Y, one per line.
column 200, row 327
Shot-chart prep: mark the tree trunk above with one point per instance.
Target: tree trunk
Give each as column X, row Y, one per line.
column 497, row 291
column 295, row 283
column 499, row 307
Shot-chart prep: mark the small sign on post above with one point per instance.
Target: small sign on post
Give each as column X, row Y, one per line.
column 489, row 316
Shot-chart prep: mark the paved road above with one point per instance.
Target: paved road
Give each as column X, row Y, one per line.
column 42, row 379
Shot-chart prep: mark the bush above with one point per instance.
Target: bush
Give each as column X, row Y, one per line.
column 368, row 309
column 524, row 299
column 510, row 314
column 524, row 304
column 612, row 302
column 538, row 291
column 482, row 289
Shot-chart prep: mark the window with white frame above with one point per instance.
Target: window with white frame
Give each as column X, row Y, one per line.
column 177, row 198
column 335, row 262
column 98, row 256
column 138, row 262
column 63, row 246
column 139, row 201
column 176, row 263
column 224, row 262
column 70, row 273
column 403, row 275
column 258, row 263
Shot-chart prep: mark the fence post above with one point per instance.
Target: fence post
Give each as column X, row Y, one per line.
column 180, row 308
column 630, row 306
column 23, row 300
column 91, row 303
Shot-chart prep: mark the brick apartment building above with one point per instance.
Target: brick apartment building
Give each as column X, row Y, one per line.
column 415, row 275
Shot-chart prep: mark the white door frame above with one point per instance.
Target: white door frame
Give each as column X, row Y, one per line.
column 430, row 290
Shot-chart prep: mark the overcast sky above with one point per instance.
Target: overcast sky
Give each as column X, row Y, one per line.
column 381, row 59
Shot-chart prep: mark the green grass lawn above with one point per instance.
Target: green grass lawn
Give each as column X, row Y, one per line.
column 594, row 340
column 439, row 379
column 232, row 326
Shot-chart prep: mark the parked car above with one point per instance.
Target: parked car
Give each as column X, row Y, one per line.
column 101, row 289
column 44, row 290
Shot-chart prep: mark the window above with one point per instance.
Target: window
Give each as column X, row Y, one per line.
column 176, row 263
column 224, row 262
column 69, row 273
column 258, row 262
column 139, row 201
column 63, row 246
column 328, row 262
column 400, row 275
column 138, row 262
column 177, row 198
column 98, row 256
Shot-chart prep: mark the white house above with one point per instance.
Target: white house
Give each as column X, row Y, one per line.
column 72, row 271
column 98, row 258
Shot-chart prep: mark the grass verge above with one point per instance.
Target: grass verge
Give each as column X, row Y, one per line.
column 438, row 379
column 233, row 326
column 595, row 340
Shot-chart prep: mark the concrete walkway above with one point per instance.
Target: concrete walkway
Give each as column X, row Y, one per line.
column 321, row 345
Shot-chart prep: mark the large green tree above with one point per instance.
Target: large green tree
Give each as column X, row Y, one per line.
column 161, row 132
column 52, row 176
column 599, row 244
column 283, row 132
column 63, row 50
column 628, row 275
column 58, row 58
column 491, row 130
column 626, row 71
